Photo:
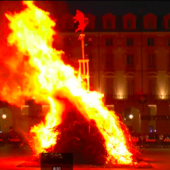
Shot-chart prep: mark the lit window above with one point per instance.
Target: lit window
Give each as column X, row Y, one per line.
column 129, row 23
column 150, row 42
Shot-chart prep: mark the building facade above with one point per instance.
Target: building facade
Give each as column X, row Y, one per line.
column 129, row 63
column 129, row 59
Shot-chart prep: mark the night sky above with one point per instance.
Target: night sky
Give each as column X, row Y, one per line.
column 119, row 7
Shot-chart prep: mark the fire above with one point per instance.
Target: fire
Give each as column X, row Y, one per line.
column 46, row 75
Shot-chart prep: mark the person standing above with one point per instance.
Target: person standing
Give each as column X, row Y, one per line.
column 146, row 139
column 142, row 138
column 160, row 140
column 166, row 141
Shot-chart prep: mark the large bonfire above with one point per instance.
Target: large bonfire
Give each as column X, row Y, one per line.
column 37, row 70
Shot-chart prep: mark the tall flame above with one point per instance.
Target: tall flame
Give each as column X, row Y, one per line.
column 45, row 75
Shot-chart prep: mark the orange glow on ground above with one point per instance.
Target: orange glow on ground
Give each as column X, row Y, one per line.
column 46, row 75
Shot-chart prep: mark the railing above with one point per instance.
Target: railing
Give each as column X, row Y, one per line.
column 156, row 117
column 15, row 142
column 152, row 143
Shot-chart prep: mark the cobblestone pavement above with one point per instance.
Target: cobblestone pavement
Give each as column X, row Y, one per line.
column 11, row 157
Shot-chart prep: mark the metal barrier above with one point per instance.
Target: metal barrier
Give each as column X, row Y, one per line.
column 152, row 143
column 14, row 140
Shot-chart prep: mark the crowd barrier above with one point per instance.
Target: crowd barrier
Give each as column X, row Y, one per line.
column 152, row 142
column 9, row 141
column 146, row 142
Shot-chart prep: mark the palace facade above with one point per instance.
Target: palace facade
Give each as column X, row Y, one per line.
column 129, row 60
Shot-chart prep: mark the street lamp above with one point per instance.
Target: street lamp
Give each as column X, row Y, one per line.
column 4, row 116
column 130, row 116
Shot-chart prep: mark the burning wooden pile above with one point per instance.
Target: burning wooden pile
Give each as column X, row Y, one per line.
column 82, row 138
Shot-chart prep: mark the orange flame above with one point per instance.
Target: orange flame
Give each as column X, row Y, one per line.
column 45, row 74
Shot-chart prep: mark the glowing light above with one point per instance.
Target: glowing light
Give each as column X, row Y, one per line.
column 46, row 76
column 120, row 96
column 130, row 116
column 4, row 116
column 162, row 96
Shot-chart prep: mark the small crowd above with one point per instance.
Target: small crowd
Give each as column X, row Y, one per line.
column 144, row 140
column 151, row 140
column 10, row 138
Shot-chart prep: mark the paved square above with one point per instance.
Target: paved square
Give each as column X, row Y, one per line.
column 10, row 158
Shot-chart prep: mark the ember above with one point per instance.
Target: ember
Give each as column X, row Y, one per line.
column 43, row 75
